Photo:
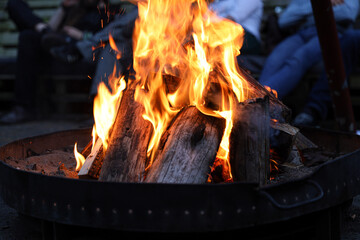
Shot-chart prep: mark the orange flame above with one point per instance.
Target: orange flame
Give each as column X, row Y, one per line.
column 273, row 91
column 106, row 104
column 79, row 158
column 187, row 40
column 114, row 47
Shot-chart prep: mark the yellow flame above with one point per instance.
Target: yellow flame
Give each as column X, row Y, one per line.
column 80, row 159
column 186, row 40
column 106, row 105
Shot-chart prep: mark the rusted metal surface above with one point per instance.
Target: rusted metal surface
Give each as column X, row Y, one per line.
column 334, row 65
column 169, row 207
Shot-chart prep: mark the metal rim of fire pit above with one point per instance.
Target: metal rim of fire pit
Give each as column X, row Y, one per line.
column 171, row 207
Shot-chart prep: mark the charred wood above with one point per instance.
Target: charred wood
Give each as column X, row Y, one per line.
column 126, row 155
column 249, row 141
column 188, row 148
column 282, row 139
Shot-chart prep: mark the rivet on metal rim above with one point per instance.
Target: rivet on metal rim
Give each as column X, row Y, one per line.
column 187, row 212
column 149, row 212
column 114, row 211
column 130, row 211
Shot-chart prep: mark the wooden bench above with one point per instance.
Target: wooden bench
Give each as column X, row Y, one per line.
column 70, row 83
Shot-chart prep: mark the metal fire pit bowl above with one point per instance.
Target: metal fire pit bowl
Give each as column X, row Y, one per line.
column 170, row 208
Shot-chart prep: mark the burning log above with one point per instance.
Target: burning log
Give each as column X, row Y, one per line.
column 126, row 155
column 278, row 110
column 187, row 149
column 93, row 162
column 282, row 139
column 249, row 141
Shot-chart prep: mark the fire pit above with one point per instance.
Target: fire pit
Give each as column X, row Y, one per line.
column 185, row 143
column 170, row 208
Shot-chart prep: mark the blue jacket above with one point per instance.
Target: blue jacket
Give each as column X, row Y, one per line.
column 299, row 13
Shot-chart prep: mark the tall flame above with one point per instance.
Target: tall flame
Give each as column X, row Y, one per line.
column 186, row 40
column 106, row 104
column 79, row 158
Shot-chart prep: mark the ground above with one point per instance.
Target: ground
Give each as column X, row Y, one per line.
column 14, row 226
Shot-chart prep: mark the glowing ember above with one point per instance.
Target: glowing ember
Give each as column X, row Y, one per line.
column 273, row 91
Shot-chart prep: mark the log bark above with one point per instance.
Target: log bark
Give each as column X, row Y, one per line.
column 126, row 155
column 282, row 139
column 188, row 148
column 249, row 141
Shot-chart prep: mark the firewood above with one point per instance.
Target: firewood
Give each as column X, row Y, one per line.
column 282, row 139
column 302, row 142
column 249, row 141
column 126, row 155
column 188, row 148
column 277, row 109
column 93, row 162
column 87, row 149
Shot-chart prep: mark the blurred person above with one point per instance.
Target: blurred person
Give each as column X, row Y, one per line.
column 74, row 20
column 120, row 29
column 290, row 60
column 319, row 100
